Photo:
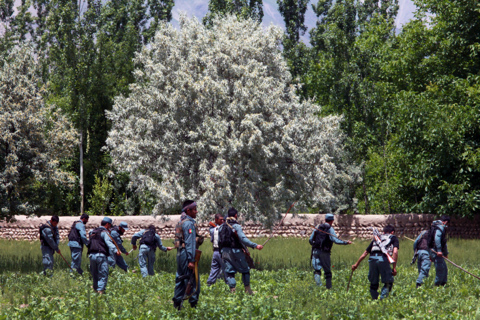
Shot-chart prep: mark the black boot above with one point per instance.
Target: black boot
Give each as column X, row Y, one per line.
column 419, row 285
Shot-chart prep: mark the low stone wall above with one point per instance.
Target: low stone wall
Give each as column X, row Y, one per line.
column 299, row 226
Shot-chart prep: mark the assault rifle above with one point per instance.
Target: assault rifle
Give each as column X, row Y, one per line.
column 382, row 246
column 193, row 282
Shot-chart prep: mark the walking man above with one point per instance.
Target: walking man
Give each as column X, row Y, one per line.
column 217, row 262
column 149, row 242
column 186, row 244
column 438, row 243
column 232, row 243
column 322, row 241
column 117, row 233
column 378, row 262
column 77, row 238
column 49, row 240
column 99, row 248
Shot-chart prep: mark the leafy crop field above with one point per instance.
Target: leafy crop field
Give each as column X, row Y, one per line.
column 284, row 288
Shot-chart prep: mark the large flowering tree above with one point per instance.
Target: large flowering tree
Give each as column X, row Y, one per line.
column 34, row 137
column 212, row 116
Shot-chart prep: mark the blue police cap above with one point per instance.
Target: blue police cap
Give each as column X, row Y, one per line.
column 107, row 220
column 123, row 225
column 329, row 217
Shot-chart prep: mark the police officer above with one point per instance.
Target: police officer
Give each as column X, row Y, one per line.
column 186, row 243
column 322, row 243
column 149, row 242
column 77, row 239
column 232, row 251
column 101, row 246
column 440, row 247
column 378, row 263
column 217, row 262
column 49, row 240
column 117, row 233
column 423, row 256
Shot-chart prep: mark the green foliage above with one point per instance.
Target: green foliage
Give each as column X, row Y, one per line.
column 244, row 9
column 101, row 195
column 281, row 294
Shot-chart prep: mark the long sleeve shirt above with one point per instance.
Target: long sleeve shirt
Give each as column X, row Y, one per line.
column 116, row 237
column 80, row 226
column 49, row 238
column 158, row 240
column 189, row 236
column 438, row 238
column 112, row 249
column 243, row 238
column 332, row 236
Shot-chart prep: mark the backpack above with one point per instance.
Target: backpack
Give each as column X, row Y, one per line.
column 321, row 240
column 431, row 238
column 227, row 237
column 74, row 234
column 96, row 243
column 148, row 239
column 44, row 226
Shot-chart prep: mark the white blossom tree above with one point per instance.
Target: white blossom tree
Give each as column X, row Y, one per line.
column 33, row 137
column 212, row 116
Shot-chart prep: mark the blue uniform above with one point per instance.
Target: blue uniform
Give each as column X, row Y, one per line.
column 99, row 263
column 321, row 258
column 441, row 271
column 234, row 258
column 76, row 248
column 114, row 259
column 423, row 260
column 146, row 255
column 217, row 262
column 49, row 244
column 186, row 254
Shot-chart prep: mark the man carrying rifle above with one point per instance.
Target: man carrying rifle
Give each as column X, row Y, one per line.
column 186, row 244
column 232, row 242
column 382, row 250
column 217, row 262
column 322, row 240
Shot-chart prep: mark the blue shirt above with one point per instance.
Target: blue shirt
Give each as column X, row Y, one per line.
column 158, row 241
column 48, row 237
column 80, row 226
column 116, row 237
column 241, row 235
column 106, row 238
column 333, row 236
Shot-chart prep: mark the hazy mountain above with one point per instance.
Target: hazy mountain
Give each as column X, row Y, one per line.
column 199, row 8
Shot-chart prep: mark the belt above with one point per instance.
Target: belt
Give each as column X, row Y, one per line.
column 377, row 253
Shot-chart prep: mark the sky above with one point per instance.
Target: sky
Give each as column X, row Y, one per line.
column 199, row 8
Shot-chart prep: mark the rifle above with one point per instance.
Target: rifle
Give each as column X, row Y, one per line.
column 376, row 236
column 451, row 262
column 193, row 281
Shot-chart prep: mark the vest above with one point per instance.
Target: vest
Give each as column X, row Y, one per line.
column 422, row 243
column 74, row 234
column 97, row 244
column 54, row 232
column 179, row 241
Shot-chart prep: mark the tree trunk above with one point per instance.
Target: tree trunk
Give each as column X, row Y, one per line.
column 82, row 194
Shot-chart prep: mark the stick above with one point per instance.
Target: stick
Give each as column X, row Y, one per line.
column 61, row 255
column 130, row 251
column 450, row 261
column 280, row 222
column 348, row 286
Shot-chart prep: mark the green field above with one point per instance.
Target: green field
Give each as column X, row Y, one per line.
column 284, row 288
